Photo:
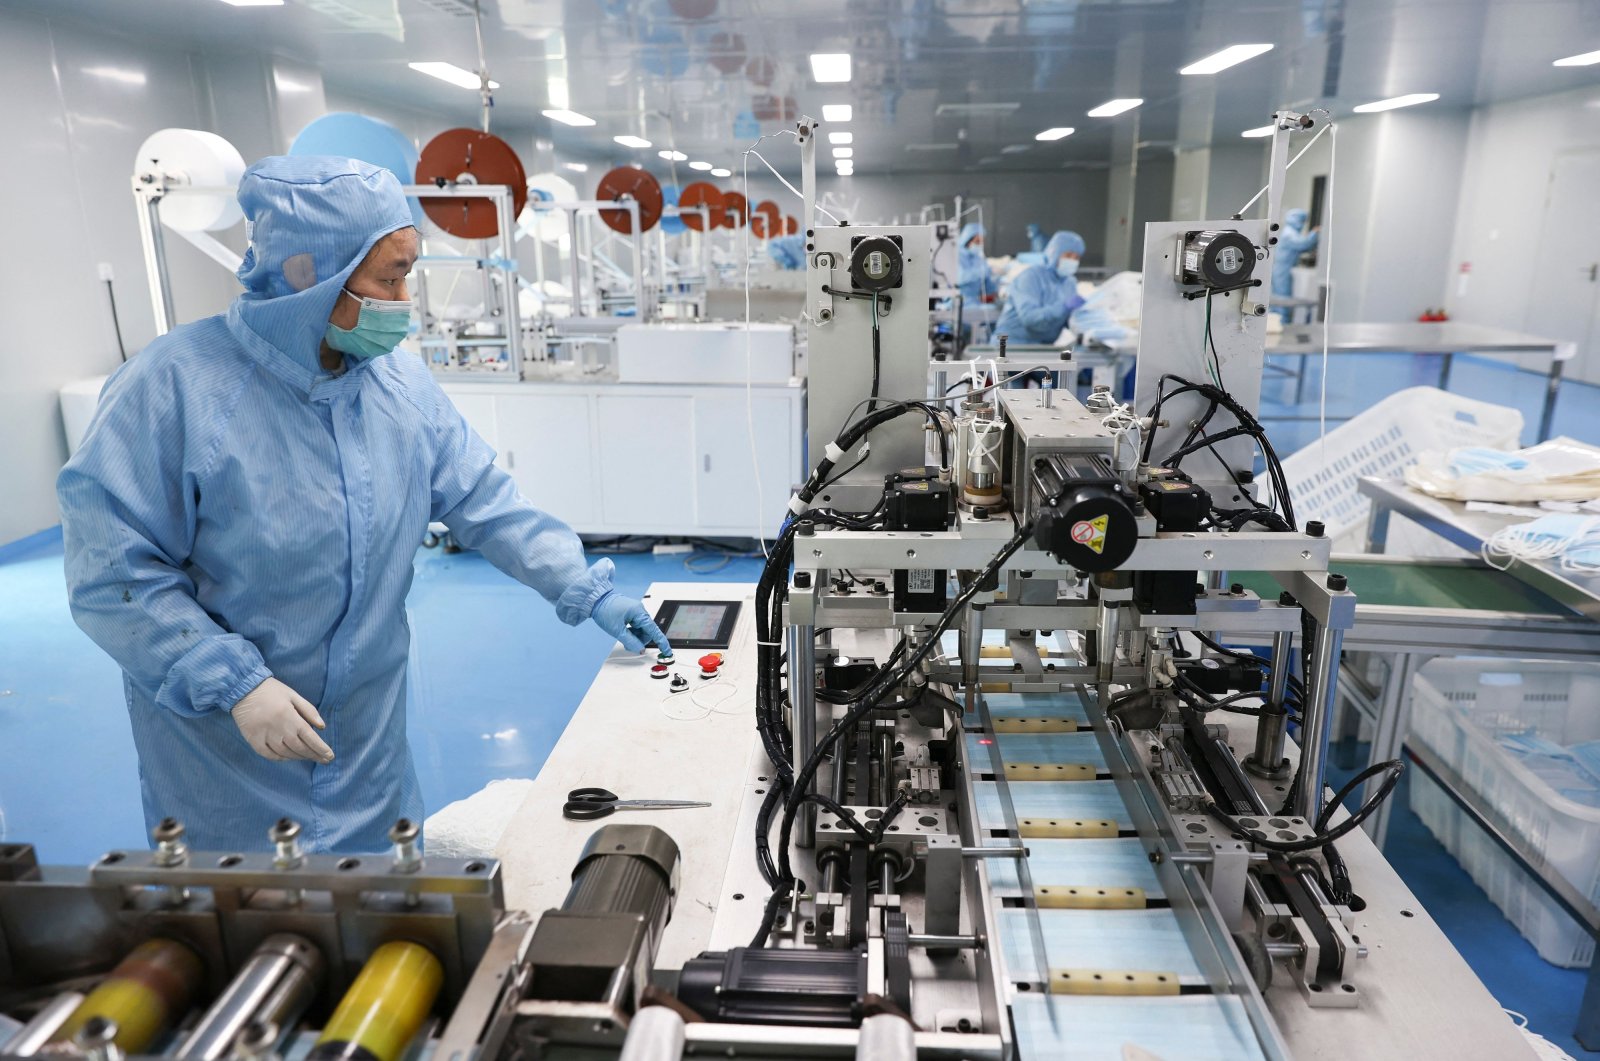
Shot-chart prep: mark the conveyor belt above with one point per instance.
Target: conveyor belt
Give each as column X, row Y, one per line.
column 1122, row 971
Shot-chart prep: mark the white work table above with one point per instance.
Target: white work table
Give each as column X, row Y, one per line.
column 622, row 739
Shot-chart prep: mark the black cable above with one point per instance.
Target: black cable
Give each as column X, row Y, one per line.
column 116, row 323
column 1394, row 768
column 877, row 357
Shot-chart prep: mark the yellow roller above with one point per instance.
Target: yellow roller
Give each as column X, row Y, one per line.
column 1035, row 725
column 1050, row 772
column 385, row 1007
column 1112, row 982
column 145, row 995
column 1087, row 897
column 1066, row 829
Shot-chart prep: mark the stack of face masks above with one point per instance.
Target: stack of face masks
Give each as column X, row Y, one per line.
column 1573, row 772
column 1572, row 538
column 1558, row 470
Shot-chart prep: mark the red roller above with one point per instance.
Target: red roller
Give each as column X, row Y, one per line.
column 725, row 51
column 790, row 225
column 622, row 184
column 467, row 156
column 702, row 193
column 735, row 208
column 766, row 220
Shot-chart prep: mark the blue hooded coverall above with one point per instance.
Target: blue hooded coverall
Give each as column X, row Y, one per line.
column 789, row 252
column 1035, row 239
column 1040, row 301
column 974, row 278
column 237, row 512
column 1293, row 241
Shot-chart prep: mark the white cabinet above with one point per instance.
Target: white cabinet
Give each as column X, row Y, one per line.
column 727, row 498
column 646, row 467
column 645, row 459
column 546, row 445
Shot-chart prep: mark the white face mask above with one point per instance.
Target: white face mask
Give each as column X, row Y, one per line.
column 1066, row 268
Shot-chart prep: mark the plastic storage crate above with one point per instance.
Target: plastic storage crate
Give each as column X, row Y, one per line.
column 1460, row 708
column 1384, row 441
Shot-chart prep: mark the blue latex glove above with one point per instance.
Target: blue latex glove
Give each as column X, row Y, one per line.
column 627, row 620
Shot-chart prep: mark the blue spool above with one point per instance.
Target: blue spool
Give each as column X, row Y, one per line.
column 671, row 224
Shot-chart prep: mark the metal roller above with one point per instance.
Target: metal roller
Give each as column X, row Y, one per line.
column 385, row 1007
column 276, row 985
column 467, row 156
column 622, row 184
column 145, row 995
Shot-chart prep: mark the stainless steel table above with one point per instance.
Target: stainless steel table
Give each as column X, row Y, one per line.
column 1445, row 338
column 1451, row 521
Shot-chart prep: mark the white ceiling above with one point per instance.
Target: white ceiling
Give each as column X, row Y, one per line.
column 651, row 67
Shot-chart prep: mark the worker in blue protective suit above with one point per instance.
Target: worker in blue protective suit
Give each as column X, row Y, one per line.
column 975, row 280
column 1293, row 241
column 1043, row 296
column 1035, row 239
column 241, row 519
column 789, row 252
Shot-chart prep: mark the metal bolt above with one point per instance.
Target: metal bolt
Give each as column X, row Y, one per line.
column 1315, row 528
column 96, row 1040
column 806, row 528
column 256, row 1040
column 403, row 834
column 285, row 837
column 1338, row 583
column 170, row 848
column 802, row 580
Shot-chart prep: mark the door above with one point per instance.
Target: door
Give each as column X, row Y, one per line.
column 1565, row 299
column 726, row 455
column 647, row 454
column 544, row 445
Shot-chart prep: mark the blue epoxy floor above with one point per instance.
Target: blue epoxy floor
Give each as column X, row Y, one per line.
column 496, row 677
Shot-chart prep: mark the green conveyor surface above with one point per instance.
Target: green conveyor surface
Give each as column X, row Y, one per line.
column 1425, row 585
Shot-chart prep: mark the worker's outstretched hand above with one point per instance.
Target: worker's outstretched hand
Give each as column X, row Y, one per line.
column 277, row 721
column 629, row 622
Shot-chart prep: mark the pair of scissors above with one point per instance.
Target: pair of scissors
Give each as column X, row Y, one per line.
column 587, row 804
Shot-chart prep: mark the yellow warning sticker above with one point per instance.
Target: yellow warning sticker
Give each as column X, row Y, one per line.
column 1091, row 533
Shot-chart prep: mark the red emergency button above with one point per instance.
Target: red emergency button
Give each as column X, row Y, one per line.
column 660, row 670
column 709, row 664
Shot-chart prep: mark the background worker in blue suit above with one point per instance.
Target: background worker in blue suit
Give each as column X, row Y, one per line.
column 241, row 520
column 1293, row 241
column 789, row 252
column 1035, row 239
column 974, row 278
column 1043, row 296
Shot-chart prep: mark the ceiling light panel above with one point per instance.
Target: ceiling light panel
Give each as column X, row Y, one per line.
column 830, row 67
column 976, row 108
column 568, row 117
column 702, row 166
column 841, row 138
column 450, row 72
column 720, row 172
column 1232, row 55
column 1586, row 59
column 673, row 156
column 1396, row 102
column 844, row 152
column 631, row 141
column 1056, row 133
column 1112, row 107
column 836, row 112
column 1260, row 130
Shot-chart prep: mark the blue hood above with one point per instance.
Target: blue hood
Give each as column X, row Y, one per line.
column 1063, row 242
column 311, row 219
column 968, row 231
column 1296, row 219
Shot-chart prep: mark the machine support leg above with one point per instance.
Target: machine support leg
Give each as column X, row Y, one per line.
column 971, row 654
column 1317, row 714
column 1389, row 736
